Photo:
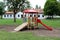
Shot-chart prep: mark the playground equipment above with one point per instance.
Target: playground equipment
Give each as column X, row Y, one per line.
column 32, row 20
column 20, row 27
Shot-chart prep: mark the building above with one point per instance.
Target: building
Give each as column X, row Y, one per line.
column 20, row 15
column 11, row 15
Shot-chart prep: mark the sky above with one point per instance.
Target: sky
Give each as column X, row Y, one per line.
column 1, row 0
column 36, row 2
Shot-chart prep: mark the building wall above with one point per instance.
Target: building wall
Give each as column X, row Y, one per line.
column 54, row 16
column 41, row 16
column 18, row 15
column 8, row 16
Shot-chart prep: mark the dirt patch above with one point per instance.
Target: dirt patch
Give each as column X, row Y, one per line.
column 53, row 33
column 45, row 33
column 37, row 32
column 7, row 27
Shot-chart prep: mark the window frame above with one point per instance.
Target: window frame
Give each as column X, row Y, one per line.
column 38, row 15
column 4, row 15
column 18, row 15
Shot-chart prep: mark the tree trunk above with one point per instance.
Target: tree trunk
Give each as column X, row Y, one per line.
column 14, row 16
column 1, row 16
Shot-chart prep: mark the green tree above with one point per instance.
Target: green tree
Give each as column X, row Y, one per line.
column 58, row 8
column 37, row 7
column 1, row 9
column 51, row 8
column 16, row 5
column 25, row 6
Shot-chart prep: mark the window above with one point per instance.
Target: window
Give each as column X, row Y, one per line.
column 34, row 15
column 10, row 15
column 25, row 15
column 7, row 15
column 18, row 15
column 4, row 15
column 30, row 15
column 21, row 16
column 42, row 15
column 38, row 15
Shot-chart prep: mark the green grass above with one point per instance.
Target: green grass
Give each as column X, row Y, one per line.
column 26, row 35
column 23, row 36
column 53, row 22
column 10, row 22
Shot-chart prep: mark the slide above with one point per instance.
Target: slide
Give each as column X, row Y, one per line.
column 20, row 27
column 39, row 21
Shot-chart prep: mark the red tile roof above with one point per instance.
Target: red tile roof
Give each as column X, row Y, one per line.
column 8, row 12
column 39, row 10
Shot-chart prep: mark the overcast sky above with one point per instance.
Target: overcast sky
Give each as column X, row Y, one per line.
column 1, row 0
column 36, row 2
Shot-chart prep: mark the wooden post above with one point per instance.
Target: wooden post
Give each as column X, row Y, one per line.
column 28, row 21
column 36, row 19
column 32, row 19
column 23, row 17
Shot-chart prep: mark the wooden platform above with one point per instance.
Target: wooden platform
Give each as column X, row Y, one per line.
column 20, row 27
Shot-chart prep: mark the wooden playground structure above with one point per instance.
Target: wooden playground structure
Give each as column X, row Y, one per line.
column 32, row 21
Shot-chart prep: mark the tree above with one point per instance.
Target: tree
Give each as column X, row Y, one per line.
column 51, row 8
column 25, row 6
column 16, row 5
column 1, row 9
column 58, row 8
column 37, row 7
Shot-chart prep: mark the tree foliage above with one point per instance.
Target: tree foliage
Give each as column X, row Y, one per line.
column 58, row 8
column 17, row 5
column 37, row 7
column 51, row 8
column 1, row 9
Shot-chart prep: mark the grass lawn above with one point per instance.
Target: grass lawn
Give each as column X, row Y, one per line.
column 10, row 22
column 23, row 36
column 53, row 22
column 26, row 35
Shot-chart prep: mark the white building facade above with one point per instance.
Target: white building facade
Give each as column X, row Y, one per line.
column 20, row 14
